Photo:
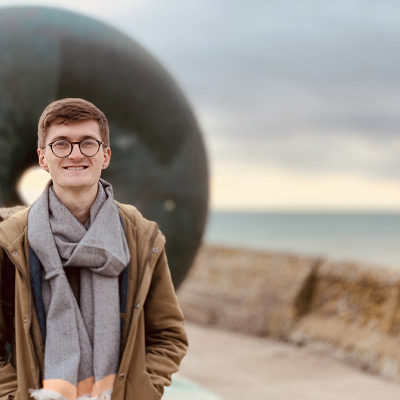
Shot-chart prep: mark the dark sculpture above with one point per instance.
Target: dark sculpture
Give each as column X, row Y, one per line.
column 158, row 157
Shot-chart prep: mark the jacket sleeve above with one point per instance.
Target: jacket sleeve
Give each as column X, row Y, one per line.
column 8, row 375
column 166, row 340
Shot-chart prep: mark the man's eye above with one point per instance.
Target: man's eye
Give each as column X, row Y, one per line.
column 88, row 144
column 61, row 144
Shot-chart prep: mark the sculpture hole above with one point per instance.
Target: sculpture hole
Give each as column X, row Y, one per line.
column 31, row 184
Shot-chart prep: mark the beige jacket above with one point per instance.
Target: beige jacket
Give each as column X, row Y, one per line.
column 153, row 339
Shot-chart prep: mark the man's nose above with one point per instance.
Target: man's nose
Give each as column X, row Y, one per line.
column 76, row 152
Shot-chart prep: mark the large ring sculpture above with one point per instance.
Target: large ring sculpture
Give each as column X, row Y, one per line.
column 158, row 157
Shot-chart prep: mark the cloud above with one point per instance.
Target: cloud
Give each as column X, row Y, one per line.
column 306, row 85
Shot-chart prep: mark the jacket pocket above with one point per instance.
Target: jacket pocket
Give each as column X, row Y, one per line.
column 153, row 392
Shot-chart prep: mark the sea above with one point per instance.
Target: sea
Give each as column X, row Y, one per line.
column 370, row 238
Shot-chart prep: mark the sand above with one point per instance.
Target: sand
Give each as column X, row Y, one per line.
column 243, row 367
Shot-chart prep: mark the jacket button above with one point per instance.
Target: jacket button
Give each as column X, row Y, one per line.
column 14, row 253
column 25, row 320
column 137, row 305
column 155, row 250
column 121, row 377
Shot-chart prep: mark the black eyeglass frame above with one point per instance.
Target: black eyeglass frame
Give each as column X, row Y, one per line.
column 72, row 146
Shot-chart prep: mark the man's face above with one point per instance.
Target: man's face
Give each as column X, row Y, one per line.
column 75, row 172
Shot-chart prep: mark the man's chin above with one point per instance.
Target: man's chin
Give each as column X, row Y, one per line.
column 76, row 184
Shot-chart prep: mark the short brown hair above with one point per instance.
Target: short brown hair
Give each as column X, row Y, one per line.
column 70, row 110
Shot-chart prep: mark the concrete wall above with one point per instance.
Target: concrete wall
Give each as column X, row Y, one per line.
column 350, row 309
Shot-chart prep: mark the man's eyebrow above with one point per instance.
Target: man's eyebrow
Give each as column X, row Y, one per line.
column 69, row 139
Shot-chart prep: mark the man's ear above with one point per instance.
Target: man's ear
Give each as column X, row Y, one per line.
column 107, row 157
column 42, row 160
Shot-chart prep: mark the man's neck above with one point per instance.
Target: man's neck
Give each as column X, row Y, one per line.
column 77, row 201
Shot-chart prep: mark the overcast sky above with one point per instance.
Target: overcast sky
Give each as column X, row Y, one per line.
column 298, row 100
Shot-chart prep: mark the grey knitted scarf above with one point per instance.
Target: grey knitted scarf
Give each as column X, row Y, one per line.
column 82, row 343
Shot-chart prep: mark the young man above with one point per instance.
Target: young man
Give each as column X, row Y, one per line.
column 95, row 313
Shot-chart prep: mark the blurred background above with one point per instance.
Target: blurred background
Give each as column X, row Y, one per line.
column 298, row 104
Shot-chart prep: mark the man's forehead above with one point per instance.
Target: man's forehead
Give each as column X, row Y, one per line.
column 85, row 128
column 73, row 122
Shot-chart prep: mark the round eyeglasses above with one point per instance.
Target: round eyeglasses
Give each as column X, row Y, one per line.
column 62, row 148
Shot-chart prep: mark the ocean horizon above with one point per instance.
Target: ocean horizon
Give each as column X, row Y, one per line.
column 372, row 238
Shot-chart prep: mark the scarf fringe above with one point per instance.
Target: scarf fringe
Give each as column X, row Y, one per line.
column 106, row 395
column 45, row 394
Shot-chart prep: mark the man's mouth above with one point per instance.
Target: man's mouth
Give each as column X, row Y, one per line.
column 75, row 168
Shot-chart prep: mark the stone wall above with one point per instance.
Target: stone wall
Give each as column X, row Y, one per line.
column 350, row 309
